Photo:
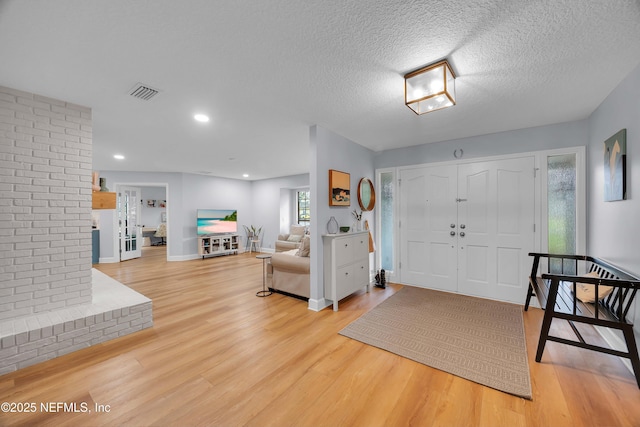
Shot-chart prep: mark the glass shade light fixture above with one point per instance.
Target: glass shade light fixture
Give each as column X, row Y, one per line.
column 430, row 88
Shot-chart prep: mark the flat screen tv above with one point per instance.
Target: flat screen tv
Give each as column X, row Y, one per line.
column 217, row 221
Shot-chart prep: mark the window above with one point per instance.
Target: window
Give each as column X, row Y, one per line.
column 303, row 207
column 386, row 219
column 561, row 209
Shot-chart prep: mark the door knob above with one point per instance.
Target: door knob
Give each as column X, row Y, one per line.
column 452, row 226
column 453, row 233
column 462, row 234
column 462, row 226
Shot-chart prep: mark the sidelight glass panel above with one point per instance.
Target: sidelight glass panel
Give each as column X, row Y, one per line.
column 561, row 201
column 386, row 220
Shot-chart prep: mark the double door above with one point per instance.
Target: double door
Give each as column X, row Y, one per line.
column 468, row 228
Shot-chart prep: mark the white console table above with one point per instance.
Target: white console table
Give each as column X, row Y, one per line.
column 346, row 264
column 218, row 245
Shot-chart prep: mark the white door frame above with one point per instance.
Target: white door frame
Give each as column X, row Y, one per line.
column 116, row 227
column 540, row 204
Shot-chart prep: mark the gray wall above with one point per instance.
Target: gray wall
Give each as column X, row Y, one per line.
column 561, row 135
column 185, row 194
column 151, row 217
column 332, row 151
column 613, row 228
column 257, row 202
column 269, row 212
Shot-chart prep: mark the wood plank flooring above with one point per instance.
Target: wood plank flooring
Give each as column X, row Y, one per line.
column 220, row 356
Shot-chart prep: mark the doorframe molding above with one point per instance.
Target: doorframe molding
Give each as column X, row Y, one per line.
column 116, row 226
column 540, row 194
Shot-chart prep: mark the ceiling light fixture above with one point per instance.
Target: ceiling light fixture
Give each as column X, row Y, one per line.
column 246, row 175
column 118, row 156
column 430, row 88
column 201, row 118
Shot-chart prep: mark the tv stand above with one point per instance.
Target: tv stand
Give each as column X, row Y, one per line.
column 224, row 244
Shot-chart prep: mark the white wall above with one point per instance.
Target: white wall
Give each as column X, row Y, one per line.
column 561, row 135
column 45, row 209
column 266, row 203
column 613, row 228
column 332, row 151
column 185, row 194
column 152, row 217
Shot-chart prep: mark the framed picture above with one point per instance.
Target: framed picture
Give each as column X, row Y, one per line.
column 339, row 188
column 151, row 203
column 615, row 167
column 162, row 203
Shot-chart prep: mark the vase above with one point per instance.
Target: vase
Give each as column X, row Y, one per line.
column 332, row 226
column 103, row 184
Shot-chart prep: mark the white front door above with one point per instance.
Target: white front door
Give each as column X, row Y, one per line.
column 427, row 228
column 496, row 227
column 468, row 228
column 129, row 204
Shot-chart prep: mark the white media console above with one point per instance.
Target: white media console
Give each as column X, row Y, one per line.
column 223, row 244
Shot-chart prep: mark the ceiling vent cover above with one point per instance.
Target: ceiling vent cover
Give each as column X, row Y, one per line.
column 142, row 91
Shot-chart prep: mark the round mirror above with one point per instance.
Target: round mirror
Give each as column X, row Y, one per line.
column 366, row 194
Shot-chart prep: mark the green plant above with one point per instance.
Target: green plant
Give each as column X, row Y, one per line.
column 253, row 231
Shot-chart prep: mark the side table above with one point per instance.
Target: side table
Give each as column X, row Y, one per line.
column 264, row 292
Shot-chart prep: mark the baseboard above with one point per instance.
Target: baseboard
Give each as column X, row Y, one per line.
column 183, row 257
column 616, row 342
column 319, row 304
column 108, row 260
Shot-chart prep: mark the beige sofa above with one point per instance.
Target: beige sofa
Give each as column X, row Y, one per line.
column 287, row 242
column 291, row 271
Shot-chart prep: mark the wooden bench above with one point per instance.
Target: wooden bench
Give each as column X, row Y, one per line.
column 556, row 294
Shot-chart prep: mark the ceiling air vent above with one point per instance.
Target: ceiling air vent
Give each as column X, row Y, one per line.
column 142, row 91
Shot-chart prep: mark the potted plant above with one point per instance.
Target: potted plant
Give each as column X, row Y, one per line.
column 253, row 232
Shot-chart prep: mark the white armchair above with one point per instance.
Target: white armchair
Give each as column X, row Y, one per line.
column 289, row 241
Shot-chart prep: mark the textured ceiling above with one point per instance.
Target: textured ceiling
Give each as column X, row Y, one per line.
column 266, row 71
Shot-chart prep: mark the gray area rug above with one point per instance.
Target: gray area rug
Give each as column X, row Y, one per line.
column 477, row 339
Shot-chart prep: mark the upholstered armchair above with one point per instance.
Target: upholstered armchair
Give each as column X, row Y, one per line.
column 291, row 270
column 289, row 241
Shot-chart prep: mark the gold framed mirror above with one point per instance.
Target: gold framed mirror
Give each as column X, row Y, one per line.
column 366, row 194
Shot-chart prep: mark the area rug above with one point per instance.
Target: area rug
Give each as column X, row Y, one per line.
column 477, row 339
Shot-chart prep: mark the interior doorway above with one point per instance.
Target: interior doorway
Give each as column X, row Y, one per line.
column 152, row 221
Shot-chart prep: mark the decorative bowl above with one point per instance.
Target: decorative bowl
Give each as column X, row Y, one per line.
column 345, row 229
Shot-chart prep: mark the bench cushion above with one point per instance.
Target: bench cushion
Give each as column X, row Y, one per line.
column 586, row 292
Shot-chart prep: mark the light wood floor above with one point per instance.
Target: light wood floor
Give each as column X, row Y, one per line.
column 220, row 356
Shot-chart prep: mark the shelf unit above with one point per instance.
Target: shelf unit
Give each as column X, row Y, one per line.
column 225, row 244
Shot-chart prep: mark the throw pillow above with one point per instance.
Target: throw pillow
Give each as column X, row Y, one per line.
column 294, row 238
column 305, row 247
column 297, row 230
column 586, row 292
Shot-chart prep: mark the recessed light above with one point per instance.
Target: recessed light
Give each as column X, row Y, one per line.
column 118, row 156
column 246, row 175
column 201, row 118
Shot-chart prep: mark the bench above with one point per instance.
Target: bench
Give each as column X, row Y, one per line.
column 556, row 293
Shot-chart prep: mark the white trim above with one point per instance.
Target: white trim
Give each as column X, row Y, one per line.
column 581, row 199
column 615, row 342
column 378, row 219
column 116, row 226
column 318, row 304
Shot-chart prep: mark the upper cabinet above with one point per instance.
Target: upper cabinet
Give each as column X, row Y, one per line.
column 104, row 200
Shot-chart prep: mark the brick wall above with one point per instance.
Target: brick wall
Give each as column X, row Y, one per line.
column 45, row 204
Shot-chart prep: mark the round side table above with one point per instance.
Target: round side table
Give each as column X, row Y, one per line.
column 264, row 292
